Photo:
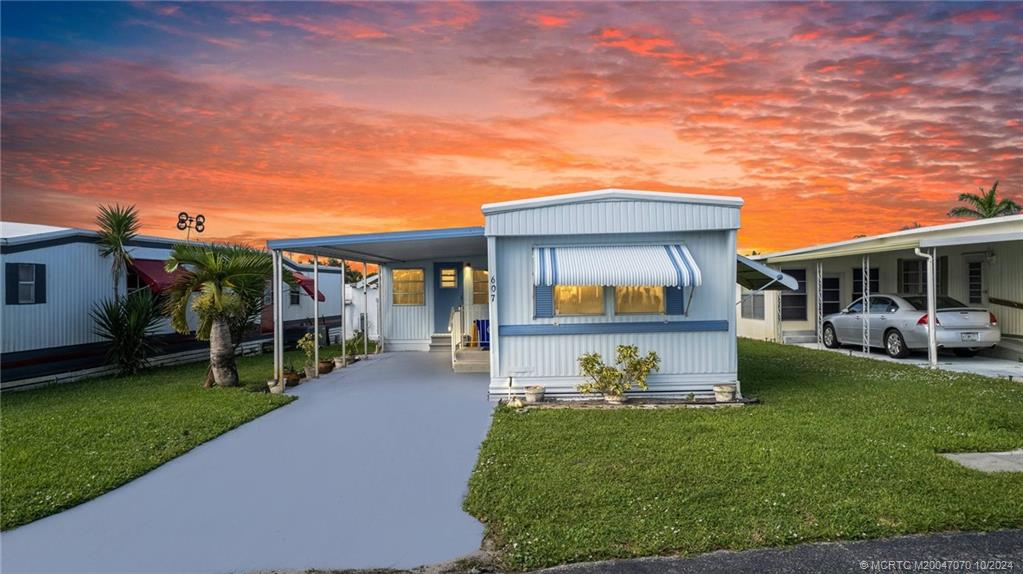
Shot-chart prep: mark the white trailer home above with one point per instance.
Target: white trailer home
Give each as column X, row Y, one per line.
column 979, row 263
column 551, row 278
column 53, row 276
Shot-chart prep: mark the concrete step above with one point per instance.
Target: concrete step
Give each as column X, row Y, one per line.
column 440, row 342
column 793, row 337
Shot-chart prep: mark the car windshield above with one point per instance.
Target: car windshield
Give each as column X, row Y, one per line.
column 919, row 302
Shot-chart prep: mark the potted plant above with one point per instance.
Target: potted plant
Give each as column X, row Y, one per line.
column 325, row 366
column 308, row 345
column 291, row 376
column 612, row 381
column 724, row 393
column 534, row 393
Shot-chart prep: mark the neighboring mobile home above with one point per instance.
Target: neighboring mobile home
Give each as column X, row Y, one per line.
column 556, row 277
column 53, row 277
column 979, row 263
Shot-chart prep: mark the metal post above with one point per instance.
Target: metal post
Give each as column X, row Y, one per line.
column 275, row 286
column 820, row 304
column 380, row 311
column 932, row 318
column 344, row 318
column 278, row 316
column 316, row 315
column 779, row 333
column 865, row 276
column 365, row 309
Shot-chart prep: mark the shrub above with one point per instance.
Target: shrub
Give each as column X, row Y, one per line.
column 127, row 324
column 614, row 380
column 308, row 345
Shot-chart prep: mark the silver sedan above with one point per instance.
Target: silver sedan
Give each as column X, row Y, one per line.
column 898, row 323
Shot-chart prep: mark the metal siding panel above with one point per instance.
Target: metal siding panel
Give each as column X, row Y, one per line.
column 613, row 217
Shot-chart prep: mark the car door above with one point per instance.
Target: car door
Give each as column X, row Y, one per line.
column 881, row 310
column 848, row 324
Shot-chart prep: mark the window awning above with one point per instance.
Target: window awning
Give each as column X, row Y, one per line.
column 759, row 277
column 307, row 285
column 669, row 265
column 153, row 273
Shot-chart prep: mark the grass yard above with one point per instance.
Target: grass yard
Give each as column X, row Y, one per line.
column 841, row 448
column 65, row 444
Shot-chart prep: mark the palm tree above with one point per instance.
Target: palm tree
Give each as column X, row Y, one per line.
column 117, row 227
column 984, row 205
column 230, row 280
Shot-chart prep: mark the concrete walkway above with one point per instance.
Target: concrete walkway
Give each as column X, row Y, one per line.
column 1008, row 461
column 367, row 469
column 1000, row 551
column 978, row 365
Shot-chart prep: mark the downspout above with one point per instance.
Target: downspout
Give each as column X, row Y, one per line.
column 932, row 338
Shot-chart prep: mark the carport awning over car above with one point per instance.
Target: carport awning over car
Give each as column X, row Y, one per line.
column 756, row 276
column 670, row 265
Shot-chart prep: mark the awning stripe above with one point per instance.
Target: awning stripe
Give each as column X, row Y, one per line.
column 665, row 264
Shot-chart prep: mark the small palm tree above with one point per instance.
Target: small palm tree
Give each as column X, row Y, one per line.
column 230, row 279
column 128, row 324
column 117, row 227
column 984, row 205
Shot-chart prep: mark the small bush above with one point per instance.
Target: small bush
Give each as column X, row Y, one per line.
column 614, row 380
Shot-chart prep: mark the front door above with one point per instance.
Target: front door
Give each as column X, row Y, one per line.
column 447, row 289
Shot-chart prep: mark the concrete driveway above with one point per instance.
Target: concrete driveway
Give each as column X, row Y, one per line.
column 367, row 469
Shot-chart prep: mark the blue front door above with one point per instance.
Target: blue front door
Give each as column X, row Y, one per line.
column 447, row 293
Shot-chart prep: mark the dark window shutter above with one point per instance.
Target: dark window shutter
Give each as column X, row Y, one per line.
column 543, row 300
column 674, row 300
column 40, row 283
column 11, row 283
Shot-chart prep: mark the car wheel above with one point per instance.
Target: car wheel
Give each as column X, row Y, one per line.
column 895, row 345
column 965, row 352
column 829, row 337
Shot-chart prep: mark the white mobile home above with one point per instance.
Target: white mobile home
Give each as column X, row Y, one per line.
column 979, row 263
column 53, row 277
column 551, row 278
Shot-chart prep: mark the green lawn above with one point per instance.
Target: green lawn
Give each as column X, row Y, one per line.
column 841, row 448
column 65, row 444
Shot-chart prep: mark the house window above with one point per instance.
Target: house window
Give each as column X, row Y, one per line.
column 578, row 300
column 645, row 299
column 26, row 284
column 793, row 303
column 875, row 281
column 752, row 305
column 409, row 287
column 294, row 296
column 480, row 286
column 448, row 278
column 913, row 276
column 975, row 282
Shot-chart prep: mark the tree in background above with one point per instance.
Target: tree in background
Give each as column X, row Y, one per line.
column 230, row 280
column 117, row 227
column 984, row 205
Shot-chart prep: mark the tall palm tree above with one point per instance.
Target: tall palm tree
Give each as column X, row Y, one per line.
column 117, row 227
column 984, row 205
column 230, row 279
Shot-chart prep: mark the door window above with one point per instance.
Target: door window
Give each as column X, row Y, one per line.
column 448, row 278
column 879, row 305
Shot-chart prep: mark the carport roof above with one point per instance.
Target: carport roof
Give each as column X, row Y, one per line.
column 392, row 247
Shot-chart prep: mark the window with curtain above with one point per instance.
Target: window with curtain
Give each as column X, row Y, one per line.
column 646, row 299
column 480, row 286
column 408, row 287
column 578, row 300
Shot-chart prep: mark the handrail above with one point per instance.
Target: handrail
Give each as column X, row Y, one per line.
column 1005, row 302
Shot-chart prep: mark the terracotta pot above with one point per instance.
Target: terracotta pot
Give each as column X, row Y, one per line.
column 534, row 394
column 724, row 393
column 614, row 399
column 326, row 367
column 291, row 378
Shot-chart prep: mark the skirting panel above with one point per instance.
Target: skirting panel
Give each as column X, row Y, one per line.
column 663, row 386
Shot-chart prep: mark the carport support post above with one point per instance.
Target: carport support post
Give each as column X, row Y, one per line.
column 865, row 286
column 278, row 277
column 819, row 306
column 316, row 315
column 932, row 317
column 344, row 318
column 365, row 309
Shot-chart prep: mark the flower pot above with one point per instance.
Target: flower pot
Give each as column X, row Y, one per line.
column 724, row 393
column 325, row 367
column 310, row 372
column 339, row 363
column 614, row 399
column 291, row 378
column 534, row 393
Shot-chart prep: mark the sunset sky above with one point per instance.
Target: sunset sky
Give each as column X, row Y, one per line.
column 293, row 119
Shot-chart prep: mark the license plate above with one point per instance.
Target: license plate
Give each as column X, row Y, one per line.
column 968, row 336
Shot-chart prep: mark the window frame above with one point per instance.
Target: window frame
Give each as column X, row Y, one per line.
column 294, row 296
column 421, row 282
column 32, row 283
column 919, row 268
column 750, row 308
column 857, row 278
column 618, row 313
column 603, row 302
column 443, row 276
column 480, row 287
column 970, row 267
column 799, row 294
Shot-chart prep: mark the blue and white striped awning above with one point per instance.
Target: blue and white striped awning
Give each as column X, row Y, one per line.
column 616, row 265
